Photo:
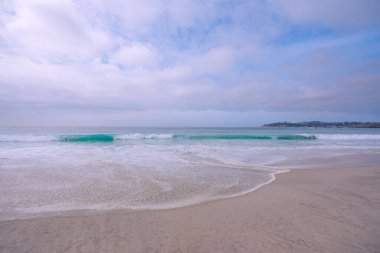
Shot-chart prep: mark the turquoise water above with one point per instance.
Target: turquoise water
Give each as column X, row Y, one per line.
column 45, row 170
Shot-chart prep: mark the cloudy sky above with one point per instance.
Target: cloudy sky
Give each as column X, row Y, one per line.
column 188, row 63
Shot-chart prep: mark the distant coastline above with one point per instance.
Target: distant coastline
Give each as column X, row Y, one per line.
column 325, row 124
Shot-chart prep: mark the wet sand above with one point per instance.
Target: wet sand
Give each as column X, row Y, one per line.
column 325, row 210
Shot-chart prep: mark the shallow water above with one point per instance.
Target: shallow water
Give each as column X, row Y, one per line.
column 48, row 170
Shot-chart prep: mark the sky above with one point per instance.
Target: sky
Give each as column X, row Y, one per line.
column 188, row 63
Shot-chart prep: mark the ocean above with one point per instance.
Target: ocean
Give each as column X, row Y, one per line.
column 60, row 170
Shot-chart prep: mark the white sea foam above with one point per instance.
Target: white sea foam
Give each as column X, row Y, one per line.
column 348, row 136
column 138, row 136
column 27, row 138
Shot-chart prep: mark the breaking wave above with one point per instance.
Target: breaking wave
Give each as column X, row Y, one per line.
column 89, row 138
column 139, row 136
column 296, row 137
column 349, row 137
column 27, row 138
column 223, row 137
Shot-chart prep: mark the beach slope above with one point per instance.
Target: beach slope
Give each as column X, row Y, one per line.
column 326, row 210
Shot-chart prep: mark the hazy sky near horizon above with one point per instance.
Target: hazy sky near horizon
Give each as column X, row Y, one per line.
column 188, row 63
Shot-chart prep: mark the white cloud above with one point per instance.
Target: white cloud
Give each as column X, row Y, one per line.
column 128, row 17
column 214, row 61
column 52, row 30
column 151, row 58
column 135, row 55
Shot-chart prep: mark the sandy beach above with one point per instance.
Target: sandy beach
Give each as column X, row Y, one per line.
column 325, row 210
column 189, row 126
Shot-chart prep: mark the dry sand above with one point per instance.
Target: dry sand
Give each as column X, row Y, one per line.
column 335, row 210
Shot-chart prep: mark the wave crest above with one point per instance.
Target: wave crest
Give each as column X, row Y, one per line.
column 224, row 137
column 27, row 138
column 89, row 138
column 349, row 137
column 139, row 136
column 296, row 137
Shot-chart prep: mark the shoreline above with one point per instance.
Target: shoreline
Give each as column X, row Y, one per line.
column 309, row 210
column 180, row 204
column 92, row 212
